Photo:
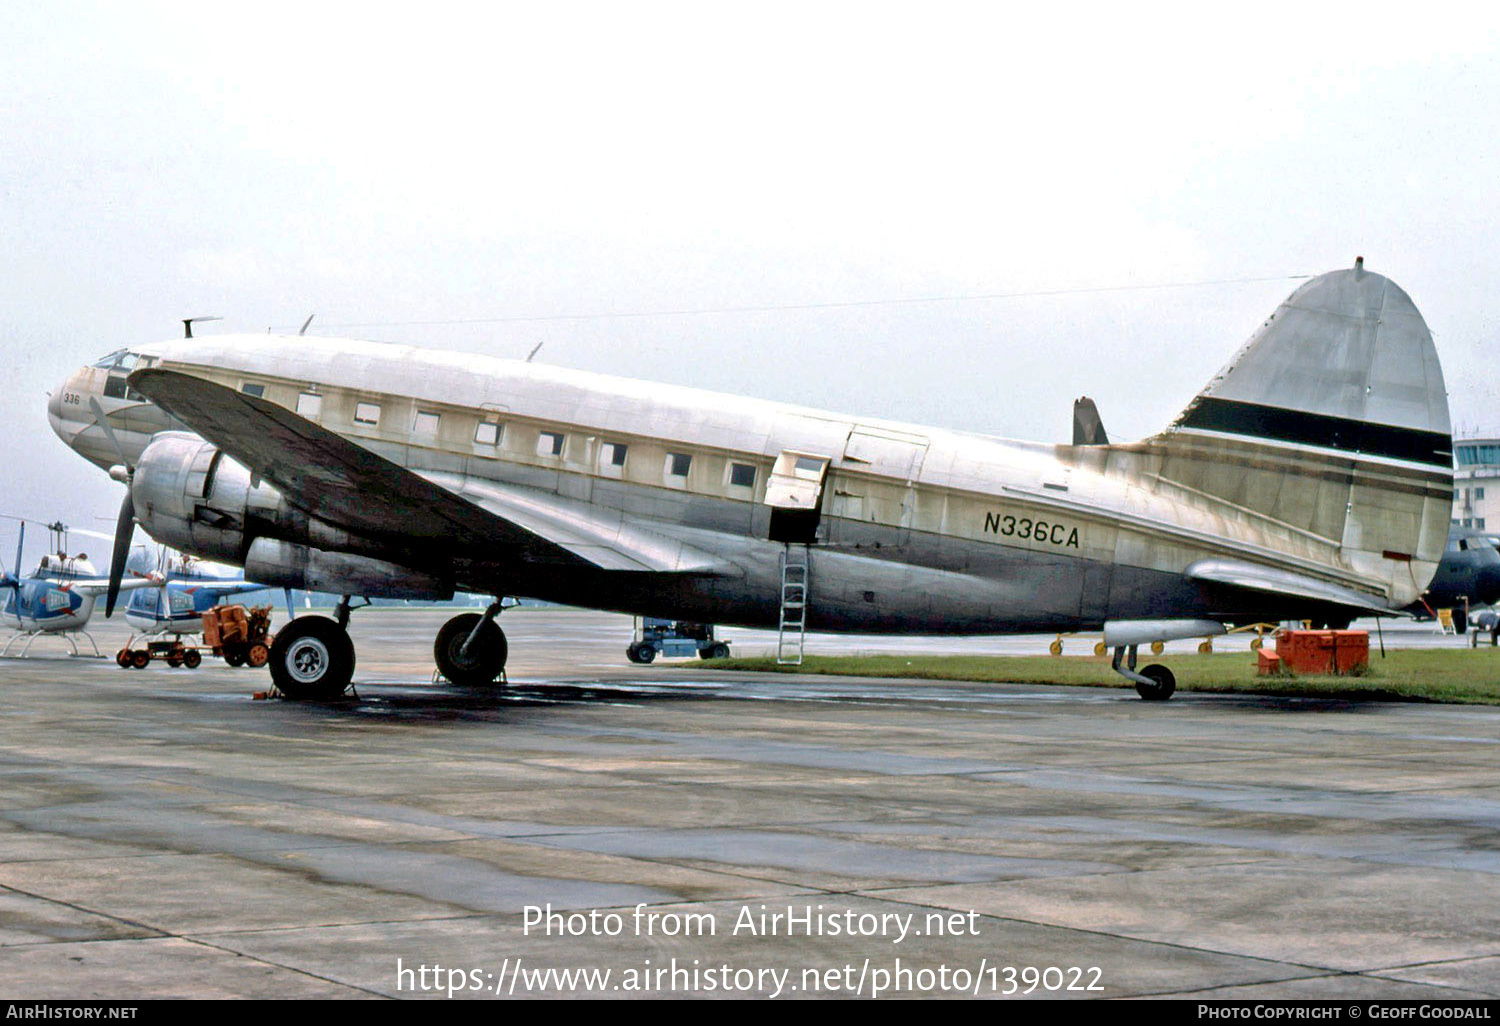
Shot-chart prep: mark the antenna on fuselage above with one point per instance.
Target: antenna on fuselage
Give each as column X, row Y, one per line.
column 187, row 324
column 534, row 350
column 303, row 330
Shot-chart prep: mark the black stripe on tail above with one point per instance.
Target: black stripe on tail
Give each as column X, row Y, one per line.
column 1273, row 422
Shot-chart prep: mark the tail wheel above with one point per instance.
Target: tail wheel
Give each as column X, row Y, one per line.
column 1162, row 686
column 191, row 658
column 313, row 658
column 485, row 659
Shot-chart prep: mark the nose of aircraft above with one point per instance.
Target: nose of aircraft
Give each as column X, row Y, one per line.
column 55, row 407
column 1487, row 584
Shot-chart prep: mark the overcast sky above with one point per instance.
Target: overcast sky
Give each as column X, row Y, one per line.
column 526, row 167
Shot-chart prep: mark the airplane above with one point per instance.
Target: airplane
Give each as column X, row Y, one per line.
column 58, row 598
column 1467, row 577
column 1311, row 478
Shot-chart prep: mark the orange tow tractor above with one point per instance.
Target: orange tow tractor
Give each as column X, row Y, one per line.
column 238, row 637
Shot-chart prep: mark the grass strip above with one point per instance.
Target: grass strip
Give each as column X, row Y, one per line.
column 1467, row 676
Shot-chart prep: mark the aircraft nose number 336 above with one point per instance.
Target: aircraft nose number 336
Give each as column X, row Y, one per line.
column 1061, row 535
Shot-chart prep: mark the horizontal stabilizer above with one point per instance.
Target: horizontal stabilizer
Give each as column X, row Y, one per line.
column 1270, row 581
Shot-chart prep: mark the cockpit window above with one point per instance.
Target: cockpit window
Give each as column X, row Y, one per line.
column 121, row 361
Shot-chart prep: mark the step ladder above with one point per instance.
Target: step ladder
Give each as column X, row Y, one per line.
column 792, row 629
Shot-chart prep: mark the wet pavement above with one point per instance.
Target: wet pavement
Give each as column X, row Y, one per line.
column 162, row 834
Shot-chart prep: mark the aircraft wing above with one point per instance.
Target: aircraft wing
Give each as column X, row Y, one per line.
column 1270, row 581
column 351, row 487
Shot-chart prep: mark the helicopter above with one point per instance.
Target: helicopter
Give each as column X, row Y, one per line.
column 57, row 599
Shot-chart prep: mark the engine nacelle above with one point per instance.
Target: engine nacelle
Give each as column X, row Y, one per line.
column 283, row 564
column 189, row 495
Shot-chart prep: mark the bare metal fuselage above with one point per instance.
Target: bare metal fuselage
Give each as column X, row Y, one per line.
column 918, row 530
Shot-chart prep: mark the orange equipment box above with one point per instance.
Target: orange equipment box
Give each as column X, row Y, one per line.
column 1268, row 663
column 1323, row 652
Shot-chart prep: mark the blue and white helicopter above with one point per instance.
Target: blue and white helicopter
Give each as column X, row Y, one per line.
column 57, row 599
column 193, row 587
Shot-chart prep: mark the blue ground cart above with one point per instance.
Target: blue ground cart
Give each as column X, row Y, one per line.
column 674, row 638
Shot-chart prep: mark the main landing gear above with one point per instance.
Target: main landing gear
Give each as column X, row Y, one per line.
column 1154, row 683
column 312, row 657
column 471, row 648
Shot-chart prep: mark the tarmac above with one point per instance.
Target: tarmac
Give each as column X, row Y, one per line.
column 163, row 834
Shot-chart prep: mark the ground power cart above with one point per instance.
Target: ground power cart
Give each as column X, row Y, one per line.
column 673, row 638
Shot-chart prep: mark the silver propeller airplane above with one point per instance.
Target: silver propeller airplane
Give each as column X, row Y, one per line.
column 1311, row 478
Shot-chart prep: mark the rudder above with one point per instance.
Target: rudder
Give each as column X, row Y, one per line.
column 1332, row 420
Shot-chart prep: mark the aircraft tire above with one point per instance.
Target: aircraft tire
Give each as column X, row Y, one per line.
column 312, row 659
column 1166, row 683
column 486, row 659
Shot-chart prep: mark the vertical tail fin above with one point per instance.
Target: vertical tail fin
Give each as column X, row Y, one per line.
column 1333, row 421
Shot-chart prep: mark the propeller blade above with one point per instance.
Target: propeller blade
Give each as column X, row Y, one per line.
column 109, row 432
column 19, row 543
column 124, row 528
column 290, row 614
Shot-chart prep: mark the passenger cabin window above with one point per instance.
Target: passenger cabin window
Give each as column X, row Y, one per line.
column 613, row 454
column 367, row 413
column 309, row 405
column 549, row 443
column 258, row 391
column 678, row 464
column 742, row 475
column 487, row 433
column 426, row 424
